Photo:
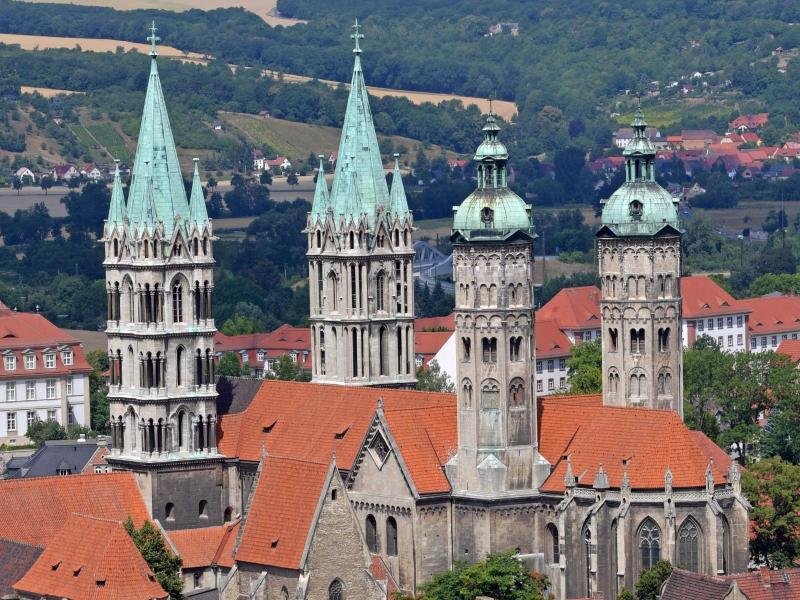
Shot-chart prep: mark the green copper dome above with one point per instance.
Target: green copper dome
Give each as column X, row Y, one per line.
column 492, row 212
column 640, row 207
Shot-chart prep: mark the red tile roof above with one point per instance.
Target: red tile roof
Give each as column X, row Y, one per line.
column 550, row 339
column 381, row 572
column 279, row 342
column 34, row 510
column 750, row 121
column 446, row 323
column 428, row 343
column 427, row 439
column 311, row 421
column 20, row 332
column 91, row 559
column 574, row 308
column 649, row 440
column 205, row 546
column 790, row 348
column 701, row 296
column 681, row 585
column 764, row 584
column 282, row 512
column 773, row 314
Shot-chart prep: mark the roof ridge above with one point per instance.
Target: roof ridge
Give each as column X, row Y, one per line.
column 300, row 460
column 21, row 543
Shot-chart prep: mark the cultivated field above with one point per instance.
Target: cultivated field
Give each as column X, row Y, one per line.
column 266, row 9
column 44, row 42
column 46, row 92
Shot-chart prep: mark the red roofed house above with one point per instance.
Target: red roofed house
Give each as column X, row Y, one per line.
column 790, row 348
column 259, row 351
column 577, row 312
column 65, row 172
column 744, row 123
column 764, row 584
column 707, row 309
column 44, row 375
column 773, row 318
column 206, row 554
column 552, row 351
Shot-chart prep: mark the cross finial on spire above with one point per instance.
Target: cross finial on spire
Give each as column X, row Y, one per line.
column 356, row 36
column 153, row 38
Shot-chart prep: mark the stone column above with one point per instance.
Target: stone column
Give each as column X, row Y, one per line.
column 212, row 435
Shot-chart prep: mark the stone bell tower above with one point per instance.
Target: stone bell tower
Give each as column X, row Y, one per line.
column 360, row 260
column 639, row 256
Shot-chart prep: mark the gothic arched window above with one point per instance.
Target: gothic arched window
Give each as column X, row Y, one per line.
column 649, row 544
column 554, row 555
column 336, row 590
column 467, row 387
column 380, row 288
column 391, row 537
column 689, row 546
column 587, row 559
column 383, row 350
column 466, row 347
column 372, row 534
column 177, row 303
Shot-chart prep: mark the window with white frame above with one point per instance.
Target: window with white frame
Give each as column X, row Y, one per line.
column 730, row 340
column 51, row 414
column 739, row 321
column 30, row 390
column 49, row 361
column 11, row 391
column 730, row 321
column 30, row 361
column 753, row 343
column 66, row 357
column 562, row 364
column 551, row 365
column 538, row 366
column 711, row 323
column 774, row 340
column 10, row 362
column 720, row 341
column 720, row 323
column 11, row 421
column 700, row 325
column 539, row 386
column 261, row 355
column 70, row 416
column 31, row 418
column 69, row 386
column 51, row 389
column 551, row 384
column 562, row 383
column 739, row 339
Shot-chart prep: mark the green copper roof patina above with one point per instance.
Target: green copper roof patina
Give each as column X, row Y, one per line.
column 321, row 203
column 359, row 184
column 198, row 215
column 398, row 204
column 156, row 171
column 492, row 212
column 116, row 209
column 640, row 207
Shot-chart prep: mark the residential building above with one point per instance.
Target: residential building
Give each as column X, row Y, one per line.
column 259, row 351
column 744, row 123
column 92, row 173
column 61, row 457
column 763, row 584
column 773, row 318
column 698, row 139
column 577, row 312
column 360, row 260
column 708, row 310
column 65, row 173
column 623, row 136
column 25, row 175
column 639, row 256
column 44, row 376
column 552, row 351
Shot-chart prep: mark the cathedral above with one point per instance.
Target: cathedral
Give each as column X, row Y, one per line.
column 355, row 485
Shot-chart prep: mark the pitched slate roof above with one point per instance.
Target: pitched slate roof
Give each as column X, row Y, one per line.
column 310, row 421
column 15, row 560
column 574, row 308
column 205, row 546
column 91, row 559
column 34, row 510
column 701, row 296
column 651, row 441
column 282, row 511
column 57, row 455
column 773, row 314
column 681, row 585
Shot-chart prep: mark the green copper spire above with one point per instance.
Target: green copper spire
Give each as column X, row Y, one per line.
column 492, row 212
column 640, row 207
column 398, row 204
column 197, row 203
column 359, row 184
column 156, row 157
column 116, row 210
column 319, row 208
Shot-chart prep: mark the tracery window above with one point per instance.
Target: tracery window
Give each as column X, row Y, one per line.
column 336, row 590
column 689, row 546
column 649, row 544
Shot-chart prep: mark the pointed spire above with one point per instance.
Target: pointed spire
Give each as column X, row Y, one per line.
column 569, row 476
column 398, row 204
column 321, row 203
column 639, row 124
column 156, row 170
column 600, row 479
column 197, row 202
column 116, row 210
column 359, row 169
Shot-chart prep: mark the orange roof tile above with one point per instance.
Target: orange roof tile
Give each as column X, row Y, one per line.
column 34, row 510
column 649, row 440
column 426, row 439
column 224, row 556
column 201, row 547
column 282, row 512
column 311, row 421
column 701, row 296
column 446, row 323
column 764, row 584
column 574, row 308
column 428, row 343
column 91, row 559
column 773, row 314
column 550, row 339
column 790, row 348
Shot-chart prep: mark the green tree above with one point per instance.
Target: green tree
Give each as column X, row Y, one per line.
column 166, row 567
column 17, row 184
column 772, row 486
column 500, row 576
column 41, row 431
column 585, row 369
column 238, row 324
column 626, row 594
column 650, row 581
column 98, row 391
column 433, row 379
column 286, row 369
column 291, row 179
column 46, row 182
column 230, row 366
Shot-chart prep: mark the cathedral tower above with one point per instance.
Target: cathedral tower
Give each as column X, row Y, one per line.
column 160, row 277
column 360, row 257
column 493, row 273
column 639, row 254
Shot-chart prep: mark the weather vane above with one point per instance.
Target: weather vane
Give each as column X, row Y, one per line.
column 357, row 35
